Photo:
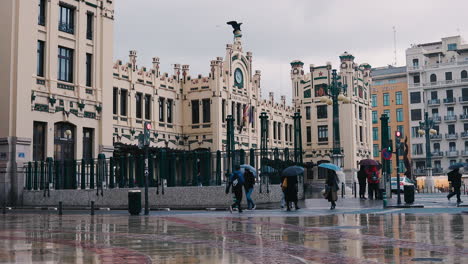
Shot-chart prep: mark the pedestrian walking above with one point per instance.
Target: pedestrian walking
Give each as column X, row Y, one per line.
column 331, row 188
column 249, row 187
column 373, row 182
column 455, row 178
column 236, row 180
column 290, row 188
column 362, row 178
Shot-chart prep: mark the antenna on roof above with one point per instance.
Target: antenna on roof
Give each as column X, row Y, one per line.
column 394, row 47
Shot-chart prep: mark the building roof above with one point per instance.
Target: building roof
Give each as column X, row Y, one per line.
column 388, row 70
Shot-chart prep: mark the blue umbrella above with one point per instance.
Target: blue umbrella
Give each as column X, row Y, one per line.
column 330, row 166
column 458, row 165
column 292, row 171
column 250, row 168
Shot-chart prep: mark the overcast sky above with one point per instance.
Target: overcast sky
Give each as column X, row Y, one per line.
column 278, row 31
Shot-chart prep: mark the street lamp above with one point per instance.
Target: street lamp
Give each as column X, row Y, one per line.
column 336, row 92
column 426, row 128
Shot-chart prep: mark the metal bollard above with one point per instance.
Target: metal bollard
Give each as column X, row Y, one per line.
column 342, row 190
column 92, row 207
column 60, row 208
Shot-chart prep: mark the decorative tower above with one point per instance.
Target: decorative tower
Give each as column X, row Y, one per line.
column 297, row 74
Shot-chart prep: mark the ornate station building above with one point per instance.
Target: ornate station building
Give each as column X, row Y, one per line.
column 64, row 96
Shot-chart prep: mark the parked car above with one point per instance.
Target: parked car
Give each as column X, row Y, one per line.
column 403, row 181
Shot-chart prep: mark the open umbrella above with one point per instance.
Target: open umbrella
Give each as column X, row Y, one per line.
column 250, row 168
column 368, row 162
column 292, row 171
column 330, row 166
column 457, row 165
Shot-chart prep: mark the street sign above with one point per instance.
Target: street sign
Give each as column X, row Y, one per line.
column 386, row 155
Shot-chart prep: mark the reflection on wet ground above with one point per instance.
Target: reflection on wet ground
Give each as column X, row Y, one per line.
column 224, row 238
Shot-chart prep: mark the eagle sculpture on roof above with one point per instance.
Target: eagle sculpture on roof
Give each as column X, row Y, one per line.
column 236, row 26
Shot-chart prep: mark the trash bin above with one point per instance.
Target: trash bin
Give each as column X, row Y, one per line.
column 408, row 190
column 134, row 202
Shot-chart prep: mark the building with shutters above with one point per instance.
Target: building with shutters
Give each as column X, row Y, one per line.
column 438, row 84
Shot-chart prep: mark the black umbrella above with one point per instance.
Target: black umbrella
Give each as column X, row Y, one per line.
column 292, row 171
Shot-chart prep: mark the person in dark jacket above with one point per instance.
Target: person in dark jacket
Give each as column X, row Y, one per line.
column 455, row 177
column 373, row 181
column 290, row 188
column 332, row 182
column 249, row 186
column 362, row 178
column 236, row 180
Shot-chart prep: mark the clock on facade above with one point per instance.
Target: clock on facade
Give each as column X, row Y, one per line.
column 238, row 78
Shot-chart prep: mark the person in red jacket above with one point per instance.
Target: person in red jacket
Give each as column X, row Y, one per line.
column 373, row 180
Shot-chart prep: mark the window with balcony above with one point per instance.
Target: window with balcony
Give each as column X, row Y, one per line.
column 195, row 112
column 206, row 110
column 374, row 100
column 452, row 46
column 415, row 97
column 89, row 25
column 138, row 105
column 147, row 106
column 436, row 147
column 417, row 149
column 386, row 99
column 450, row 111
column 40, row 58
column 449, row 95
column 448, row 76
column 375, row 133
column 434, row 96
column 322, row 133
column 307, row 110
column 89, row 70
column 465, row 127
column 375, row 150
column 464, row 97
column 463, row 74
column 399, row 115
column 123, row 102
column 451, row 129
column 322, row 112
column 375, row 118
column 452, row 147
column 399, row 98
column 416, row 79
column 42, row 12
column 433, row 78
column 65, row 64
column 387, row 112
column 414, row 132
column 66, row 19
column 437, row 164
column 309, row 134
column 416, row 115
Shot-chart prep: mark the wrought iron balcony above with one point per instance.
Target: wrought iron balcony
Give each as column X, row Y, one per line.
column 464, row 153
column 464, row 134
column 451, row 154
column 433, row 102
column 464, row 117
column 437, row 154
column 463, row 99
column 451, row 136
column 436, row 137
column 450, row 100
column 66, row 27
column 450, row 118
column 436, row 118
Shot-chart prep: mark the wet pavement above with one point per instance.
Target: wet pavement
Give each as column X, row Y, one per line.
column 357, row 232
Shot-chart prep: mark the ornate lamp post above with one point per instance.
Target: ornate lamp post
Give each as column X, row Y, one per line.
column 426, row 128
column 336, row 92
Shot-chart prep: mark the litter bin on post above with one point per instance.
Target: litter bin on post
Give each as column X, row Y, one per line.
column 408, row 190
column 134, row 202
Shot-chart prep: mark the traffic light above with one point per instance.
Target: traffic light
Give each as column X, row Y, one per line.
column 397, row 134
column 390, row 146
column 147, row 133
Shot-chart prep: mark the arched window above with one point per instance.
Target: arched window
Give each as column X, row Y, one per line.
column 433, row 78
column 464, row 74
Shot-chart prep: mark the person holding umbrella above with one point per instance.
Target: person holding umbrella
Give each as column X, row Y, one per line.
column 236, row 180
column 454, row 177
column 289, row 185
column 249, row 186
column 362, row 178
column 331, row 184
